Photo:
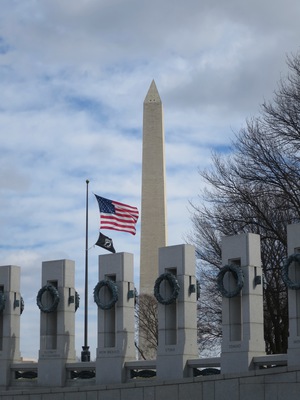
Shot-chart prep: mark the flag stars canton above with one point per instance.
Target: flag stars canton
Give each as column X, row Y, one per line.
column 105, row 205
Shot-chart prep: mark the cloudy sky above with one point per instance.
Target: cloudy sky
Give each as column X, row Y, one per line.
column 73, row 78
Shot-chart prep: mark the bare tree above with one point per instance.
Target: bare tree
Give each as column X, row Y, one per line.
column 209, row 316
column 257, row 189
column 147, row 322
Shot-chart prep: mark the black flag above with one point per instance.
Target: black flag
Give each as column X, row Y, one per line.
column 106, row 243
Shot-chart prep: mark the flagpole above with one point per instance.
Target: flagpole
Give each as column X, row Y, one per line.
column 85, row 354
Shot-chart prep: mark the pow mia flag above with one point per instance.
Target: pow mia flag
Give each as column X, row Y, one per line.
column 106, row 243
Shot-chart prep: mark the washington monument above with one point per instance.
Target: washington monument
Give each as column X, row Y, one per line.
column 153, row 210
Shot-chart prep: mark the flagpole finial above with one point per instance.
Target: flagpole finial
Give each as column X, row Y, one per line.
column 87, row 181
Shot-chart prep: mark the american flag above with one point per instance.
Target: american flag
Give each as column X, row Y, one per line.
column 117, row 216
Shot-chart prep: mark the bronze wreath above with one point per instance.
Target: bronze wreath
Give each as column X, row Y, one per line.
column 238, row 276
column 2, row 301
column 77, row 300
column 167, row 276
column 113, row 288
column 285, row 271
column 55, row 298
column 22, row 305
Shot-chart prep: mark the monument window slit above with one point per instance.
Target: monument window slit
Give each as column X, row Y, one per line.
column 109, row 315
column 171, row 312
column 1, row 322
column 51, row 320
column 235, row 304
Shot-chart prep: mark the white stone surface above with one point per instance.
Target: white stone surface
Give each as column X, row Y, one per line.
column 242, row 315
column 57, row 329
column 116, row 328
column 177, row 327
column 9, row 321
column 266, row 384
column 293, row 241
column 153, row 209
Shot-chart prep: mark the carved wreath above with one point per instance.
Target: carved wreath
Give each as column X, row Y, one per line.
column 2, row 301
column 285, row 271
column 171, row 279
column 113, row 288
column 54, row 295
column 238, row 276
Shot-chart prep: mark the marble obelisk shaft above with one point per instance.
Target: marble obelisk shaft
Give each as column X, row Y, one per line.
column 153, row 211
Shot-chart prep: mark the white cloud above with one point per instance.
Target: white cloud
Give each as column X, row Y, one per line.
column 73, row 78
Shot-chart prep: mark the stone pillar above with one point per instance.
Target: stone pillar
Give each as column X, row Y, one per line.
column 9, row 320
column 242, row 315
column 57, row 328
column 177, row 322
column 293, row 247
column 116, row 327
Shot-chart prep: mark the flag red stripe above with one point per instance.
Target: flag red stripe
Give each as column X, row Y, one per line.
column 118, row 222
column 128, row 210
column 118, row 227
column 120, row 218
